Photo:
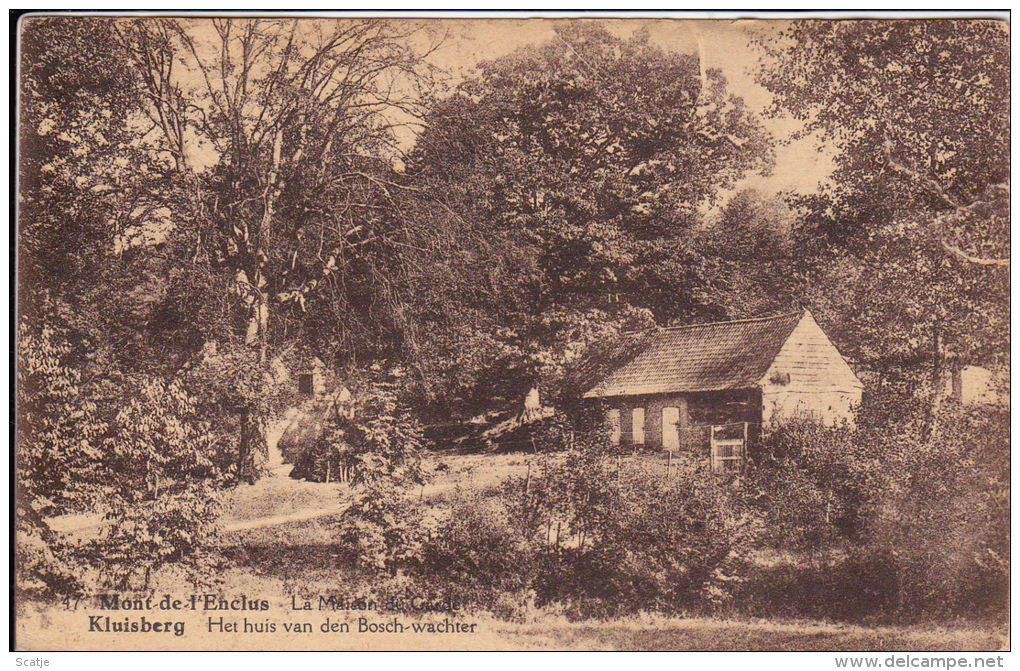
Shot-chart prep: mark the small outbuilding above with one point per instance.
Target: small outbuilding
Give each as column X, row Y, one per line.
column 721, row 383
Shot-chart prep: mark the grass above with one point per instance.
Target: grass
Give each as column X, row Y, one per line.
column 711, row 635
column 275, row 554
column 279, row 499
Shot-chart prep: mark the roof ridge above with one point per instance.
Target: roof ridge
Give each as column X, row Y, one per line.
column 734, row 321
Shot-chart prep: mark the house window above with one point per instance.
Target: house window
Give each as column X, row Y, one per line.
column 637, row 416
column 613, row 417
column 305, row 384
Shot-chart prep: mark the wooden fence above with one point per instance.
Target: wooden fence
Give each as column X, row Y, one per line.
column 728, row 446
column 726, row 443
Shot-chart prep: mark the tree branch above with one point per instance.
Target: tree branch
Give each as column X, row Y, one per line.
column 936, row 188
column 960, row 254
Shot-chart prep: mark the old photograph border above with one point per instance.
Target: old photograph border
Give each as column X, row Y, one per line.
column 512, row 331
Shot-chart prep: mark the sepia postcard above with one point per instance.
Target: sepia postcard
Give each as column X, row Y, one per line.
column 570, row 332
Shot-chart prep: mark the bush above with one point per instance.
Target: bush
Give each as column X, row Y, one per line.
column 377, row 446
column 858, row 525
column 145, row 464
column 147, row 535
column 944, row 517
column 481, row 558
column 581, row 535
column 923, row 524
column 60, row 430
column 382, row 526
column 858, row 588
column 665, row 545
column 42, row 567
column 375, row 438
column 816, row 486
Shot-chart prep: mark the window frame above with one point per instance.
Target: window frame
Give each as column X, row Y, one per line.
column 613, row 418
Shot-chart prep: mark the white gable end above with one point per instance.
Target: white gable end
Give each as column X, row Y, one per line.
column 809, row 378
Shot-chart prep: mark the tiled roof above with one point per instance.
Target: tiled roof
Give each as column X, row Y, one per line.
column 602, row 358
column 701, row 357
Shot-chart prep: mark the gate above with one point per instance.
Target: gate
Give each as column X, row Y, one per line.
column 728, row 443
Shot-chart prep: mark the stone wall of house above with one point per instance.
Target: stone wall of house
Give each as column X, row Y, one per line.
column 695, row 410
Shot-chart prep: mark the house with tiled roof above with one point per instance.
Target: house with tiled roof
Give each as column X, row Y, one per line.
column 746, row 375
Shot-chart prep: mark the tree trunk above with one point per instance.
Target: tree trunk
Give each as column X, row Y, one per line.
column 931, row 427
column 956, row 369
column 263, row 316
column 245, row 451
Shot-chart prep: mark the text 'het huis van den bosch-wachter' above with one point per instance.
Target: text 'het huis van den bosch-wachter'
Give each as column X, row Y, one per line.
column 166, row 614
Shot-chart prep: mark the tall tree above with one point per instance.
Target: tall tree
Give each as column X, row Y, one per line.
column 757, row 256
column 75, row 97
column 918, row 115
column 278, row 135
column 99, row 429
column 600, row 151
column 917, row 112
column 585, row 161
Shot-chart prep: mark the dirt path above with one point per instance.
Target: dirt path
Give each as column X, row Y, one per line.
column 314, row 513
column 278, row 499
column 247, row 525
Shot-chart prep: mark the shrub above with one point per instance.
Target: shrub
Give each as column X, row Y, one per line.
column 860, row 525
column 479, row 555
column 147, row 535
column 161, row 507
column 60, row 430
column 146, row 467
column 377, row 445
column 923, row 524
column 578, row 491
column 860, row 587
column 815, row 485
column 42, row 566
column 375, row 438
column 663, row 545
column 381, row 527
column 593, row 541
column 944, row 517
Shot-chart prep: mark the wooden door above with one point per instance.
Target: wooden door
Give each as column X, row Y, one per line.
column 637, row 426
column 670, row 428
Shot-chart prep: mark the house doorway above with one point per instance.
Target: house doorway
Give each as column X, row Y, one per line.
column 637, row 423
column 670, row 428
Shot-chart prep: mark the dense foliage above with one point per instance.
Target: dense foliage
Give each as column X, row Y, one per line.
column 911, row 231
column 145, row 465
column 157, row 280
column 834, row 523
column 580, row 167
column 201, row 199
